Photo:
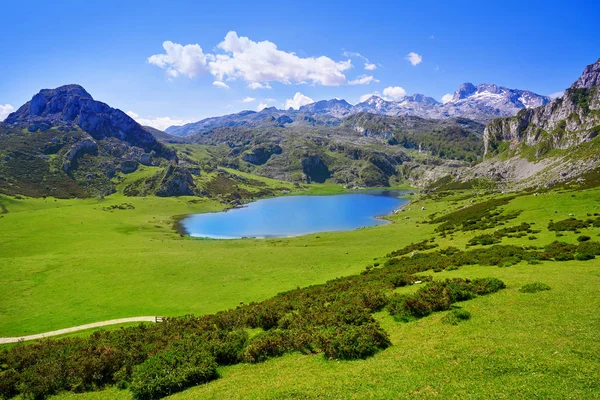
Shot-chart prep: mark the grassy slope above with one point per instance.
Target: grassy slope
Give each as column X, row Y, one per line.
column 515, row 346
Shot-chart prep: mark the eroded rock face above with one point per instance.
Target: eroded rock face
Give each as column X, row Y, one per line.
column 71, row 105
column 78, row 150
column 261, row 154
column 315, row 169
column 177, row 181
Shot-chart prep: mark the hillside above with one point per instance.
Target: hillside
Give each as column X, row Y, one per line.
column 358, row 150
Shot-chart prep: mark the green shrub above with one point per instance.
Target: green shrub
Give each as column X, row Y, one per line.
column 439, row 296
column 456, row 316
column 267, row 345
column 353, row 342
column 569, row 224
column 534, row 287
column 483, row 240
column 171, row 372
column 583, row 238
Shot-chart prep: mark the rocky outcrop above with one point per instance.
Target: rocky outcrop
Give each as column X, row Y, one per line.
column 261, row 154
column 177, row 181
column 315, row 169
column 71, row 105
column 78, row 150
column 565, row 122
column 529, row 137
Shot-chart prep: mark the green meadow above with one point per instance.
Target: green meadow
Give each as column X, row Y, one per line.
column 70, row 262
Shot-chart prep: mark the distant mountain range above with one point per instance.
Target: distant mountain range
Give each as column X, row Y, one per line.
column 480, row 103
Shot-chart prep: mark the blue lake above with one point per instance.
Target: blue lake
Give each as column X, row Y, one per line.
column 295, row 215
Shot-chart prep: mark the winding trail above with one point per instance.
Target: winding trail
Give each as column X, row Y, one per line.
column 77, row 328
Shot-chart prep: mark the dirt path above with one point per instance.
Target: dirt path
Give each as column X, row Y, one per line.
column 77, row 328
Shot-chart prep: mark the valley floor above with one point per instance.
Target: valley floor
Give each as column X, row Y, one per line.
column 69, row 262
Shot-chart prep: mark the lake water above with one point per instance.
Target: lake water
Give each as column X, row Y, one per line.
column 295, row 215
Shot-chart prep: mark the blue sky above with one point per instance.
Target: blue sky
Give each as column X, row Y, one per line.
column 307, row 47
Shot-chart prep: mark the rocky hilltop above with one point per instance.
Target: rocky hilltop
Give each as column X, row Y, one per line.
column 63, row 143
column 71, row 105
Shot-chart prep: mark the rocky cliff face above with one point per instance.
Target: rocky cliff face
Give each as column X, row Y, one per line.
column 565, row 122
column 533, row 142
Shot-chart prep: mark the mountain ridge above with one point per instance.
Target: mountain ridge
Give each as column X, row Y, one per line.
column 481, row 103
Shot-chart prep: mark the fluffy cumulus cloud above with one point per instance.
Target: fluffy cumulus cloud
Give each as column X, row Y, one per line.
column 413, row 58
column 394, row 92
column 257, row 63
column 220, row 84
column 262, row 62
column 447, row 97
column 297, row 101
column 248, row 99
column 370, row 66
column 5, row 110
column 160, row 123
column 363, row 80
column 188, row 60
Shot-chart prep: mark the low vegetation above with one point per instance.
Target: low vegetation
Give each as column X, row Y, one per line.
column 534, row 287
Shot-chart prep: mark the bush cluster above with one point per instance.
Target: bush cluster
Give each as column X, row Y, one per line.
column 534, row 287
column 439, row 296
column 573, row 224
column 478, row 216
column 419, row 246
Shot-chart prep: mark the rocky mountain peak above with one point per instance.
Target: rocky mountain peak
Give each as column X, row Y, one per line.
column 71, row 105
column 420, row 98
column 589, row 78
column 465, row 90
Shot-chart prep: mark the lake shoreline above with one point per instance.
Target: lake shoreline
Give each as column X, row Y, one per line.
column 362, row 213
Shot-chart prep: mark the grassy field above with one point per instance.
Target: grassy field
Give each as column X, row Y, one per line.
column 68, row 262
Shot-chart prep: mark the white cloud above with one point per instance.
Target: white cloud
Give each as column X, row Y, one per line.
column 261, row 106
column 367, row 96
column 413, row 58
column 161, row 123
column 5, row 110
column 188, row 60
column 220, row 84
column 447, row 98
column 258, row 85
column 394, row 92
column 248, row 99
column 368, row 65
column 297, row 101
column 262, row 62
column 552, row 96
column 432, row 37
column 363, row 80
